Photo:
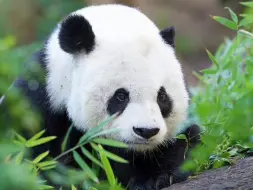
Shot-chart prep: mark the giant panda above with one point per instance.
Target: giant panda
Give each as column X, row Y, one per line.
column 107, row 59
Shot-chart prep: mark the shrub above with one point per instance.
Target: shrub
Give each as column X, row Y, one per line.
column 222, row 104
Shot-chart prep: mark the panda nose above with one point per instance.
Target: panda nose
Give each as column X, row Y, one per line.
column 146, row 133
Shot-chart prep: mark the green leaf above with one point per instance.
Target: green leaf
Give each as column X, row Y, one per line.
column 20, row 157
column 107, row 167
column 96, row 129
column 73, row 187
column 40, row 157
column 91, row 157
column 47, row 163
column 20, row 138
column 38, row 135
column 43, row 187
column 18, row 143
column 245, row 22
column 39, row 141
column 109, row 154
column 48, row 167
column 246, row 33
column 248, row 4
column 64, row 143
column 233, row 15
column 108, row 131
column 110, row 142
column 181, row 136
column 212, row 58
column 85, row 167
column 226, row 22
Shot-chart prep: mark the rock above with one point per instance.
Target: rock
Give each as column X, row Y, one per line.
column 238, row 176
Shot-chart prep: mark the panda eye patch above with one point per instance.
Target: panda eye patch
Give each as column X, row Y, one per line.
column 164, row 102
column 118, row 102
column 121, row 97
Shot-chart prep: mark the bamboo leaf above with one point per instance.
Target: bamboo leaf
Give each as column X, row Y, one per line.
column 232, row 15
column 40, row 157
column 226, row 22
column 64, row 143
column 212, row 58
column 48, row 167
column 246, row 33
column 84, row 166
column 181, row 136
column 110, row 142
column 107, row 167
column 47, row 163
column 39, row 141
column 20, row 157
column 108, row 131
column 91, row 157
column 73, row 187
column 109, row 154
column 20, row 138
column 38, row 135
column 248, row 4
column 96, row 129
column 245, row 22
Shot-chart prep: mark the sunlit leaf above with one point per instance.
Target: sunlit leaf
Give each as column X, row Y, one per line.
column 40, row 157
column 38, row 135
column 39, row 141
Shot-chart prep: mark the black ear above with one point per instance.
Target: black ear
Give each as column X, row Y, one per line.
column 76, row 35
column 168, row 35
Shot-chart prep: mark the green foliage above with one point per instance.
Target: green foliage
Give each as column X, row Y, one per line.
column 223, row 106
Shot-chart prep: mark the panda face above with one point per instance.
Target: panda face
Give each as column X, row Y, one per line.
column 136, row 75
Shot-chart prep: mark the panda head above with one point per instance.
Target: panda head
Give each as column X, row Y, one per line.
column 109, row 59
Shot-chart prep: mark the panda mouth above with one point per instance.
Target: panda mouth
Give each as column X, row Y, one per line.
column 139, row 142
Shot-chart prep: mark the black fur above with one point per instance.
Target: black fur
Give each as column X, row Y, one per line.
column 149, row 171
column 168, row 35
column 76, row 35
column 164, row 102
column 118, row 102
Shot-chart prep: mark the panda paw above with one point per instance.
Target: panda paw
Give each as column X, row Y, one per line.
column 159, row 182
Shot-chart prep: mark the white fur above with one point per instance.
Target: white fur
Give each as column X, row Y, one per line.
column 129, row 53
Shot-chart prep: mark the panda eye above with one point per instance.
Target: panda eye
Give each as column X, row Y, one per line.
column 121, row 97
column 162, row 97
